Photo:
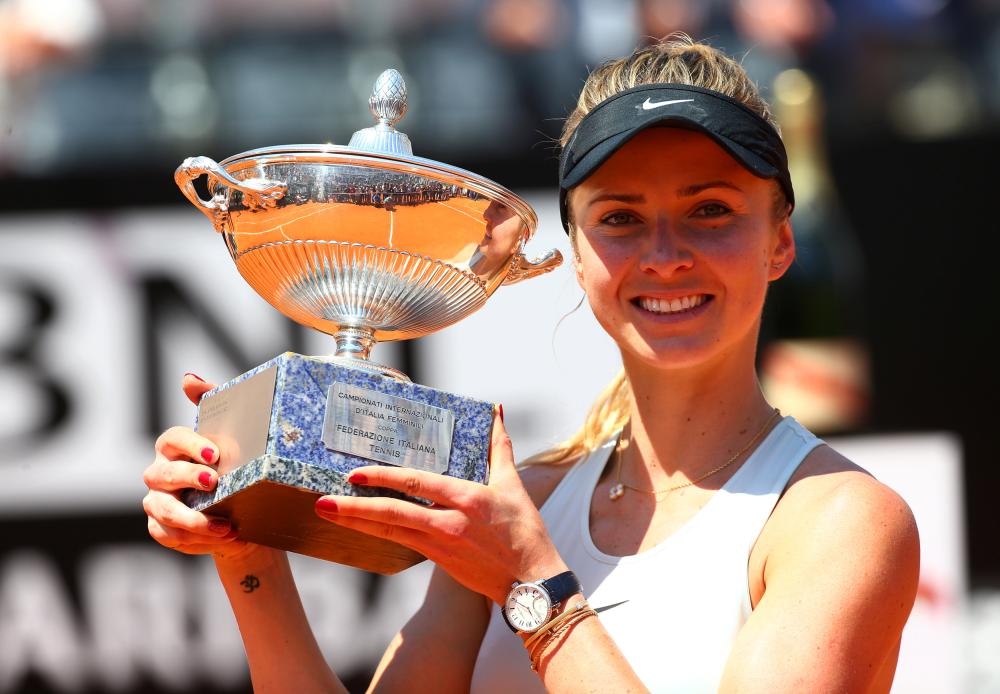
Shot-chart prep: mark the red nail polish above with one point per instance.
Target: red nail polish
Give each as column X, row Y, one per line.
column 205, row 479
column 357, row 478
column 207, row 454
column 219, row 525
column 326, row 505
column 194, row 375
column 500, row 409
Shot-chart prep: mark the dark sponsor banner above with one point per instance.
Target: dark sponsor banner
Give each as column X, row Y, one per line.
column 91, row 604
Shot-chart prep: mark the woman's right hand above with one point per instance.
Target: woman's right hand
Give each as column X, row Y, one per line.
column 185, row 460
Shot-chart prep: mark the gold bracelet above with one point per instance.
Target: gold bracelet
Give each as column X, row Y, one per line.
column 552, row 623
column 536, row 658
column 537, row 653
column 539, row 646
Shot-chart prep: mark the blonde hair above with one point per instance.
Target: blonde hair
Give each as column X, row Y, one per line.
column 678, row 59
column 681, row 60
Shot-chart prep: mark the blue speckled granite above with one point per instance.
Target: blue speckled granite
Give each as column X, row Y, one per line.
column 295, row 453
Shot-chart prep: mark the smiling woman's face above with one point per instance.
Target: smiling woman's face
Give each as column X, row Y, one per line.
column 676, row 243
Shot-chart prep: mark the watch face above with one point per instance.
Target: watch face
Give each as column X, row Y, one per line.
column 527, row 607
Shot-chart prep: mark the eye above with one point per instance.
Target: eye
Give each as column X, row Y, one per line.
column 712, row 209
column 619, row 218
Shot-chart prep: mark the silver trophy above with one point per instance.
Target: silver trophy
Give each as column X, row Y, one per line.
column 366, row 243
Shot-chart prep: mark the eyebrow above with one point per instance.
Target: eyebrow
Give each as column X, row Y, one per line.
column 689, row 191
column 685, row 192
column 629, row 198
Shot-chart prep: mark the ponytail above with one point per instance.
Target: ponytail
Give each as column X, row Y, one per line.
column 607, row 415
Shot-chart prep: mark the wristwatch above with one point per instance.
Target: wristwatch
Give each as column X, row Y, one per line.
column 530, row 605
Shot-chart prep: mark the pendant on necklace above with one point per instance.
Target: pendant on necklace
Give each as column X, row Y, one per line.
column 616, row 492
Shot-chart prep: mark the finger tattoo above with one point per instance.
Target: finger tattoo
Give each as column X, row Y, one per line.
column 250, row 583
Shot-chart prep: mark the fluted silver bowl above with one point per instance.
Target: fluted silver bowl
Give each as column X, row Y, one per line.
column 355, row 243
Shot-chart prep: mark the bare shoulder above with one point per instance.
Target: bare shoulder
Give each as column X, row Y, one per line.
column 541, row 479
column 832, row 502
column 827, row 482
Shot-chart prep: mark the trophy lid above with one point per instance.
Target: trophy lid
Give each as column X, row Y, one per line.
column 383, row 146
column 388, row 106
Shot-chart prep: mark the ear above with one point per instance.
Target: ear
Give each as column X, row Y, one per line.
column 782, row 251
column 577, row 265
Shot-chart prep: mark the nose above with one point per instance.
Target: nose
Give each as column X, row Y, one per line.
column 666, row 250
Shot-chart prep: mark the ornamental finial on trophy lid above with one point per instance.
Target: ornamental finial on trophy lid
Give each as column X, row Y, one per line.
column 388, row 100
column 388, row 106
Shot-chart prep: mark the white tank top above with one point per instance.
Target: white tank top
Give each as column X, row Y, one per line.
column 687, row 597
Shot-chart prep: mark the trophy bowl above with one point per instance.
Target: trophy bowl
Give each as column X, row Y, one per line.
column 364, row 242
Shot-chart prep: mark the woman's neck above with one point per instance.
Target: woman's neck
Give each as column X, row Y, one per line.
column 687, row 422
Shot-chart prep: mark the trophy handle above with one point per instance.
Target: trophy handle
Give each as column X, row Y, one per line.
column 257, row 193
column 522, row 268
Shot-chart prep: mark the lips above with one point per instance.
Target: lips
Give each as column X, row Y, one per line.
column 672, row 306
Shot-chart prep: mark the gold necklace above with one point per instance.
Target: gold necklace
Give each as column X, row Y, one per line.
column 617, row 490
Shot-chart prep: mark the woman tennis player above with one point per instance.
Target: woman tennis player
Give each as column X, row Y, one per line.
column 689, row 538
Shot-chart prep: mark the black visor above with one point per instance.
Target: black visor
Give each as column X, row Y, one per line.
column 747, row 137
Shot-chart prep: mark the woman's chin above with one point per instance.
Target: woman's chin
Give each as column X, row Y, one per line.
column 670, row 354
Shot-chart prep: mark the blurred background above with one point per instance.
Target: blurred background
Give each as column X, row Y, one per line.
column 112, row 286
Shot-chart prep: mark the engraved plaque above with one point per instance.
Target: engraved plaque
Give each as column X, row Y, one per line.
column 387, row 428
column 236, row 419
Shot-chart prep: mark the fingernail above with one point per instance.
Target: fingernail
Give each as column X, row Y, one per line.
column 219, row 525
column 207, row 454
column 500, row 409
column 326, row 505
column 194, row 375
column 357, row 478
column 205, row 479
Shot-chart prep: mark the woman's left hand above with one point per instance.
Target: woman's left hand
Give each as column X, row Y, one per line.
column 485, row 536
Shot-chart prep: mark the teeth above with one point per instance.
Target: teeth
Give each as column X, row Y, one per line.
column 672, row 305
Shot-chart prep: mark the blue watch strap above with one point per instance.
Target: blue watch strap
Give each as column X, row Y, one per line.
column 561, row 586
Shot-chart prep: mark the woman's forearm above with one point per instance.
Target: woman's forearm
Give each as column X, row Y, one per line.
column 280, row 646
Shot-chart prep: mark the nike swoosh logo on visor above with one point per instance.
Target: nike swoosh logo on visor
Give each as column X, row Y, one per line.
column 648, row 105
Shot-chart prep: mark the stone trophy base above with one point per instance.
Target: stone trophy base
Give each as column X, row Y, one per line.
column 293, row 428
